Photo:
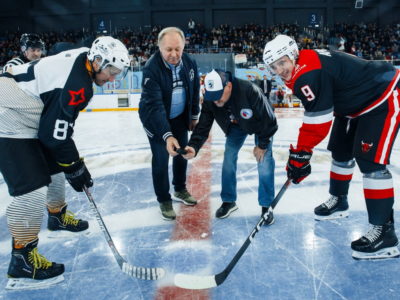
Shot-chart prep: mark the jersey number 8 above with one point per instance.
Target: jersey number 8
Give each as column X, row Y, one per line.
column 60, row 130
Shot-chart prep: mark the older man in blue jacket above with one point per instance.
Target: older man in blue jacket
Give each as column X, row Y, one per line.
column 168, row 109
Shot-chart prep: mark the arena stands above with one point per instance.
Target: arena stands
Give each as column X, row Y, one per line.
column 369, row 41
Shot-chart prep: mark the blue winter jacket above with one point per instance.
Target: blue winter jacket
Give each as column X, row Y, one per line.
column 155, row 100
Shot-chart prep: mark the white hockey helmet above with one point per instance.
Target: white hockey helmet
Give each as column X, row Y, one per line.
column 110, row 52
column 280, row 46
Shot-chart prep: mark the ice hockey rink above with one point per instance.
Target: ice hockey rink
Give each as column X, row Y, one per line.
column 295, row 258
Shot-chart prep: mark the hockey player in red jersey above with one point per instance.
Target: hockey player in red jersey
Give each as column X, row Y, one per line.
column 39, row 104
column 363, row 96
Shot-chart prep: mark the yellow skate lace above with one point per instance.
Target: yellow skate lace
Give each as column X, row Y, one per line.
column 69, row 219
column 38, row 261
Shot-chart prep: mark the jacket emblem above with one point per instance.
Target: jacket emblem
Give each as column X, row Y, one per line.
column 191, row 74
column 246, row 113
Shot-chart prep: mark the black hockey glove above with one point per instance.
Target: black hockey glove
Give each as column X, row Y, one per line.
column 298, row 166
column 78, row 175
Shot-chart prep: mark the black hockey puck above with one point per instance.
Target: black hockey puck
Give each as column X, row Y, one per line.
column 181, row 151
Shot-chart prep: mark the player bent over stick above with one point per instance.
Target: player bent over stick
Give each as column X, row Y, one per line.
column 39, row 104
column 364, row 98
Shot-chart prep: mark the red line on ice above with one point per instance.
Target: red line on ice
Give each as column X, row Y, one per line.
column 193, row 222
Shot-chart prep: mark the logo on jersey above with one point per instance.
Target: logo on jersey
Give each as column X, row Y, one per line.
column 365, row 147
column 210, row 84
column 246, row 113
column 77, row 97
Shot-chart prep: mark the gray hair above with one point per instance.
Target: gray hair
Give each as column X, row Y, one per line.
column 169, row 30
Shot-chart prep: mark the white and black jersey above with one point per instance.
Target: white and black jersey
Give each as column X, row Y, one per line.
column 14, row 62
column 42, row 99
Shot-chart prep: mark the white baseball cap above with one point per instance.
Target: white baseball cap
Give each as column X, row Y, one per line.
column 214, row 86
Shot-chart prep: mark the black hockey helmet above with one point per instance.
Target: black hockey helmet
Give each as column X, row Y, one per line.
column 31, row 40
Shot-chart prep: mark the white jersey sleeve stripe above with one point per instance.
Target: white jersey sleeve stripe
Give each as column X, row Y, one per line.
column 318, row 119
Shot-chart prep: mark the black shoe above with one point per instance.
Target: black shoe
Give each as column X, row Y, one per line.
column 226, row 209
column 379, row 242
column 28, row 263
column 270, row 219
column 65, row 220
column 335, row 207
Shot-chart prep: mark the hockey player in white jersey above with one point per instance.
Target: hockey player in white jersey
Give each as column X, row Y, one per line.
column 32, row 48
column 39, row 104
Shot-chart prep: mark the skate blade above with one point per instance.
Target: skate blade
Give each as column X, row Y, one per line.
column 64, row 234
column 390, row 252
column 32, row 284
column 336, row 215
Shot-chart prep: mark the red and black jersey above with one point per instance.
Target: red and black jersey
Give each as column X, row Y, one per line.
column 333, row 82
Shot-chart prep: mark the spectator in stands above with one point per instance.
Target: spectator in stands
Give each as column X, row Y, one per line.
column 280, row 96
column 168, row 108
column 266, row 86
column 191, row 26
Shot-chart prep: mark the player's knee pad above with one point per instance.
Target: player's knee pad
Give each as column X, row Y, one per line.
column 369, row 166
column 342, row 157
column 380, row 174
column 344, row 164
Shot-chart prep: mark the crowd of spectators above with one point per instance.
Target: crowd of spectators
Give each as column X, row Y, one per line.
column 368, row 41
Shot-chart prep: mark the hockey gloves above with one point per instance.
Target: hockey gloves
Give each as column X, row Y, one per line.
column 78, row 175
column 298, row 166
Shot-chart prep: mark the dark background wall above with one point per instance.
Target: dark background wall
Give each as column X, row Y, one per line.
column 46, row 15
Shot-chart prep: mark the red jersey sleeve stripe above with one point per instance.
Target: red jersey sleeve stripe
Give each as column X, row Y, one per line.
column 312, row 134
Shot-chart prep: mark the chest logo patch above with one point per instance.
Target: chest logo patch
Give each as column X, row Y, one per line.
column 246, row 113
column 77, row 97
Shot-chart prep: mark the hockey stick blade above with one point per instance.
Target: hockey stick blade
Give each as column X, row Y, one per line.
column 133, row 271
column 198, row 282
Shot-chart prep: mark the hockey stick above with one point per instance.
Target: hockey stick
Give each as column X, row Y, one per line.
column 133, row 271
column 196, row 282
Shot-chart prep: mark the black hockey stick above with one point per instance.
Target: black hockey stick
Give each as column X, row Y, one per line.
column 196, row 282
column 133, row 271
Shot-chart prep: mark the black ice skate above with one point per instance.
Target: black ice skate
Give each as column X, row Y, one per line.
column 65, row 222
column 379, row 242
column 334, row 208
column 30, row 270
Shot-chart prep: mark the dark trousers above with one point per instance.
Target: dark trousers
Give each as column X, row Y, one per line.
column 159, row 163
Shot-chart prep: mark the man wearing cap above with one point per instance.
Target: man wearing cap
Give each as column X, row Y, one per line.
column 240, row 108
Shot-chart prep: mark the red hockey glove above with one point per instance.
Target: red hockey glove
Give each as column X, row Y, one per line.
column 298, row 166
